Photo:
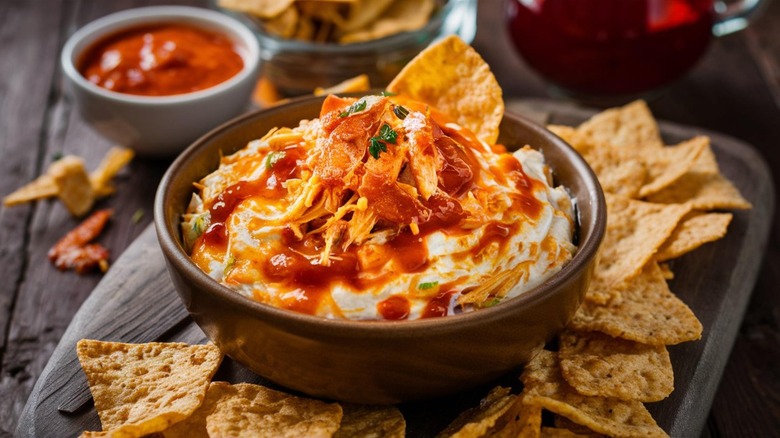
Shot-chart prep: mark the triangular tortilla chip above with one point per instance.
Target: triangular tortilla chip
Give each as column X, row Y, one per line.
column 693, row 231
column 596, row 364
column 452, row 77
column 667, row 165
column 635, row 231
column 546, row 388
column 702, row 191
column 631, row 126
column 141, row 389
column 647, row 312
column 245, row 409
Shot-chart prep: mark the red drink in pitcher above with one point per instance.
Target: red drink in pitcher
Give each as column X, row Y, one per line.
column 610, row 47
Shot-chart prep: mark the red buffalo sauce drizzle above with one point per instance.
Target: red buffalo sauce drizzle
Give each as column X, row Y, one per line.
column 524, row 200
column 440, row 304
column 394, row 308
column 495, row 232
column 297, row 266
column 161, row 60
column 269, row 186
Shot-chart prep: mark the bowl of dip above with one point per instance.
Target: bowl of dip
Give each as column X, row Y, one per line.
column 396, row 352
column 156, row 78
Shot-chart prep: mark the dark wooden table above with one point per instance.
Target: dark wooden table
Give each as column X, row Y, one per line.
column 734, row 90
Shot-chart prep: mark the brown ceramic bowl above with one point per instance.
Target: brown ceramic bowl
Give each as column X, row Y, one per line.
column 376, row 362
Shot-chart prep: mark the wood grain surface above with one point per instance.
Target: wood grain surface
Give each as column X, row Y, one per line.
column 136, row 302
column 735, row 90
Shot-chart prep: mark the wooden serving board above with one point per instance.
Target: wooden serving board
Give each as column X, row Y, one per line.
column 136, row 302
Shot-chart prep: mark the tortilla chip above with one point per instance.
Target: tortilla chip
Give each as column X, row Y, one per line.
column 361, row 13
column 695, row 230
column 115, row 159
column 602, row 291
column 630, row 126
column 520, row 421
column 195, row 425
column 40, row 188
column 351, row 85
column 330, row 14
column 599, row 365
column 635, row 231
column 702, row 191
column 73, row 184
column 371, row 422
column 283, row 25
column 647, row 312
column 306, row 28
column 667, row 165
column 478, row 420
column 703, row 187
column 564, row 423
column 706, row 162
column 245, row 409
column 452, row 77
column 619, row 170
column 141, row 389
column 402, row 16
column 546, row 388
column 556, row 432
column 258, row 8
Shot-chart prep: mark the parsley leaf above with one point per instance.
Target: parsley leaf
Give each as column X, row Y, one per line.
column 400, row 112
column 375, row 147
column 356, row 107
column 388, row 93
column 387, row 134
column 427, row 285
column 273, row 158
column 379, row 143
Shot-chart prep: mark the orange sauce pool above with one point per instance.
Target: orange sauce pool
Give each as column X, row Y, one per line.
column 161, row 60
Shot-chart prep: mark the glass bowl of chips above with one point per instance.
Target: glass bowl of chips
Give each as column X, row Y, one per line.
column 309, row 44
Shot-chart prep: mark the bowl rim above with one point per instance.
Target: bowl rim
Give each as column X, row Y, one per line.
column 180, row 260
column 127, row 19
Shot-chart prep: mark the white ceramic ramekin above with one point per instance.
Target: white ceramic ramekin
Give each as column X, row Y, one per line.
column 160, row 125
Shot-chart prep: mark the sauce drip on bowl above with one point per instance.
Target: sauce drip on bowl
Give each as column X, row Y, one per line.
column 161, row 60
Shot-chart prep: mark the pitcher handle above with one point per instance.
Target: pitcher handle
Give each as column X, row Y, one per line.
column 730, row 18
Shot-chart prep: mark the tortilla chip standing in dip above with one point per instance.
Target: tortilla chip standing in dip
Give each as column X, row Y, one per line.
column 387, row 206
